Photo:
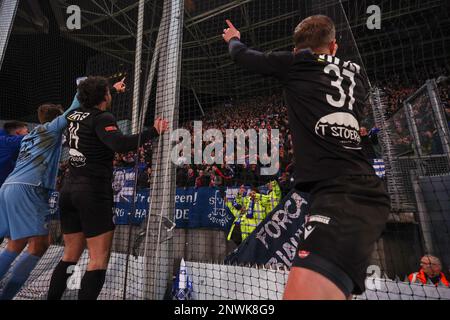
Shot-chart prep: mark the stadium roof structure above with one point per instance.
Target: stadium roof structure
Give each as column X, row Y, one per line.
column 414, row 32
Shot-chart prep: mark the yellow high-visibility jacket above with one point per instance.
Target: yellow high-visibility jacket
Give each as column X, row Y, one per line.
column 248, row 225
column 271, row 200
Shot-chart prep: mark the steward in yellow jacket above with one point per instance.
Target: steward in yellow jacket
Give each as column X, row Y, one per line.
column 273, row 198
column 248, row 211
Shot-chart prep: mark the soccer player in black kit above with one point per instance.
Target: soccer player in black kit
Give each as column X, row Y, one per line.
column 349, row 205
column 86, row 199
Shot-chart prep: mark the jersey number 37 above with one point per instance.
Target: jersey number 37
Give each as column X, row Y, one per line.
column 332, row 68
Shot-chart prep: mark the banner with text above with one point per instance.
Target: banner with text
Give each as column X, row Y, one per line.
column 274, row 242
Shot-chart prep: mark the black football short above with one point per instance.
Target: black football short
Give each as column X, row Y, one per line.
column 347, row 216
column 86, row 206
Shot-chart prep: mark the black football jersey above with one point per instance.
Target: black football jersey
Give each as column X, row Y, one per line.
column 325, row 98
column 93, row 137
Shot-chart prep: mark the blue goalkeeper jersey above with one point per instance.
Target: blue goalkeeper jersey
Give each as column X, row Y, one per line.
column 40, row 151
column 9, row 150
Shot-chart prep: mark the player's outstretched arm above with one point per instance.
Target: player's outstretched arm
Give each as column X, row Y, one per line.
column 75, row 105
column 272, row 64
column 60, row 123
column 110, row 134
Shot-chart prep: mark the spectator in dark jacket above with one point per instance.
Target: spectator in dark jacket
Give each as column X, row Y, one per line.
column 368, row 142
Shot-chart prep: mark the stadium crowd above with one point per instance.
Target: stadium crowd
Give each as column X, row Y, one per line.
column 270, row 112
column 262, row 112
column 267, row 113
column 257, row 113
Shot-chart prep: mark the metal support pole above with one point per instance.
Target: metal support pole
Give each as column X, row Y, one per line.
column 439, row 117
column 137, row 69
column 426, row 228
column 8, row 9
column 198, row 101
column 417, row 145
column 413, row 129
column 158, row 254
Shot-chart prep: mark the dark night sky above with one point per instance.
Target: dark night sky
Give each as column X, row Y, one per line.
column 39, row 68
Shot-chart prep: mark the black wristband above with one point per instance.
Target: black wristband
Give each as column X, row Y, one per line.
column 149, row 134
column 112, row 90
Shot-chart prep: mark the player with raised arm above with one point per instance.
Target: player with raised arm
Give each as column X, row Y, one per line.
column 86, row 199
column 25, row 193
column 325, row 96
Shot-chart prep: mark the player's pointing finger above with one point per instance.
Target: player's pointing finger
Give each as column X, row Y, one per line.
column 230, row 24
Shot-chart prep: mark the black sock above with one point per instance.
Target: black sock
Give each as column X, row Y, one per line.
column 58, row 283
column 91, row 284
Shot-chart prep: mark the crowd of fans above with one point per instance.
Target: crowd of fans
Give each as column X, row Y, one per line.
column 257, row 113
column 269, row 112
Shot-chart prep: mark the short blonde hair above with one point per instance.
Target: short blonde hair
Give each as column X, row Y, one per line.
column 314, row 32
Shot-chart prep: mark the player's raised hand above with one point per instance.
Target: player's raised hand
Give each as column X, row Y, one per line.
column 231, row 32
column 120, row 86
